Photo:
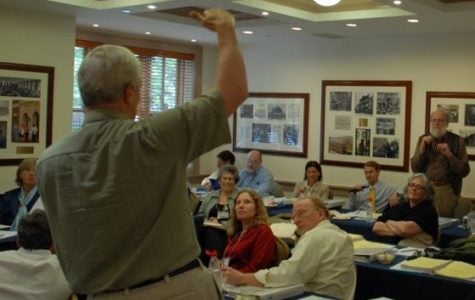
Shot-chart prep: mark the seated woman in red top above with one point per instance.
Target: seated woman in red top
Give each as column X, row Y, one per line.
column 251, row 245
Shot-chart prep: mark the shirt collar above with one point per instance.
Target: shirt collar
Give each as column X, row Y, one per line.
column 97, row 115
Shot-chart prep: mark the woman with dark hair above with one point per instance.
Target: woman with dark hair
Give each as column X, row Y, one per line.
column 413, row 223
column 18, row 202
column 252, row 245
column 312, row 185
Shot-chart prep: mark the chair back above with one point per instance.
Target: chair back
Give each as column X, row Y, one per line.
column 283, row 251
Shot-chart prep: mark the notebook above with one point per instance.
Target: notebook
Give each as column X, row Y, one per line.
column 446, row 222
column 457, row 269
column 425, row 264
column 214, row 184
column 266, row 293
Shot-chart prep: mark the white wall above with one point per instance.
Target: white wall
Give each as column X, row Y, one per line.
column 432, row 63
column 40, row 39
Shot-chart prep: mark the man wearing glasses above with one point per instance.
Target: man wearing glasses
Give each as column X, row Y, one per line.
column 442, row 156
column 413, row 223
column 322, row 259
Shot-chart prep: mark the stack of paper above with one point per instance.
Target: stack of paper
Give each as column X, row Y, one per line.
column 425, row 264
column 446, row 222
column 457, row 269
column 265, row 293
column 364, row 244
column 365, row 251
column 356, row 237
column 285, row 231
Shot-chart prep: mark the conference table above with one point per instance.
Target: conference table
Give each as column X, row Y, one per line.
column 377, row 280
column 365, row 227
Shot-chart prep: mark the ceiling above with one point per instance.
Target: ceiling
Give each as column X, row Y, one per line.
column 169, row 20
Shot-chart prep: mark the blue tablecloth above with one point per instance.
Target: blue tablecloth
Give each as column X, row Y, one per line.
column 8, row 243
column 378, row 280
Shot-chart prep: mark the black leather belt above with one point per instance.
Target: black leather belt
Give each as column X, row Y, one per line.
column 189, row 266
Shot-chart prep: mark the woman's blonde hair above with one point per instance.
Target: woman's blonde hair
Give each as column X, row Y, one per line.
column 260, row 217
column 26, row 164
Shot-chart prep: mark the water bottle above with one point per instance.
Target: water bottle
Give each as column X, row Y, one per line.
column 371, row 204
column 471, row 221
column 214, row 267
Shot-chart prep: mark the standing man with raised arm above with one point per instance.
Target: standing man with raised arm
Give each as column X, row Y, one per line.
column 115, row 191
column 442, row 156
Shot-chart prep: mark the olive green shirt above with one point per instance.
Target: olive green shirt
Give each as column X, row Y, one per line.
column 115, row 193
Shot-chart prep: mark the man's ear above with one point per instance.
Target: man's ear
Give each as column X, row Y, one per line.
column 129, row 93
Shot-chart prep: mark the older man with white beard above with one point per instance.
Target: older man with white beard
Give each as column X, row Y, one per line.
column 442, row 156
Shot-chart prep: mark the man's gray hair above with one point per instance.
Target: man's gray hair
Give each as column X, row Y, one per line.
column 229, row 169
column 430, row 192
column 105, row 73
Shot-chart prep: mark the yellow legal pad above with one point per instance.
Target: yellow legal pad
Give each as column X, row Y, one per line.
column 457, row 269
column 355, row 237
column 364, row 244
column 425, row 264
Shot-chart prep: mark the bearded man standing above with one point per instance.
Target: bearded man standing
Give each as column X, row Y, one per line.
column 442, row 156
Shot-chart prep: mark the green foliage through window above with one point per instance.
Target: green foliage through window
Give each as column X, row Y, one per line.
column 167, row 82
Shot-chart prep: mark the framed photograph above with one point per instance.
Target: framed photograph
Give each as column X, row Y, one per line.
column 461, row 109
column 26, row 111
column 366, row 120
column 273, row 123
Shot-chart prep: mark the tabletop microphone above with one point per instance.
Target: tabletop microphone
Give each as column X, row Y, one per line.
column 354, row 190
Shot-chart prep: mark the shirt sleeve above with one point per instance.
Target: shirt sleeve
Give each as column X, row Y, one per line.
column 418, row 161
column 266, row 182
column 191, row 129
column 297, row 189
column 325, row 191
column 459, row 164
column 300, row 267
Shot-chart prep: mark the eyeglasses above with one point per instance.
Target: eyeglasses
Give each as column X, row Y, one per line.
column 417, row 186
column 302, row 214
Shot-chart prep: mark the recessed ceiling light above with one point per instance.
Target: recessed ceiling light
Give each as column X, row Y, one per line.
column 352, row 25
column 265, row 13
column 413, row 20
column 148, row 33
column 151, row 7
column 397, row 2
column 296, row 28
column 248, row 32
column 193, row 41
column 327, row 2
column 126, row 11
column 95, row 25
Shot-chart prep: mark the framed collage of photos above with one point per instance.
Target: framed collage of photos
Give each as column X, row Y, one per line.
column 273, row 123
column 366, row 120
column 461, row 109
column 26, row 110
